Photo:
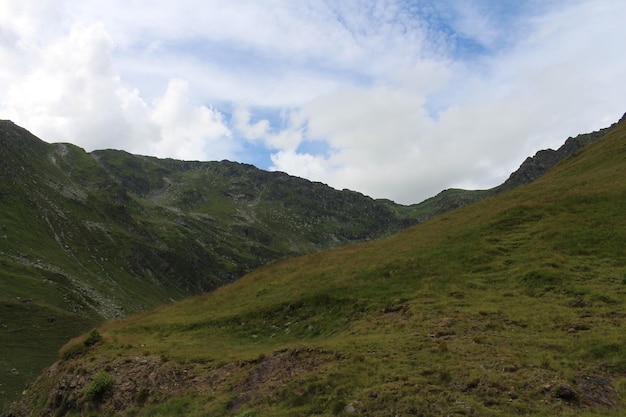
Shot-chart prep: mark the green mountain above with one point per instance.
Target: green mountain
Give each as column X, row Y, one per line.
column 514, row 305
column 91, row 236
column 531, row 169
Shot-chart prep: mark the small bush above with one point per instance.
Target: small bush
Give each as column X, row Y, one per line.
column 78, row 346
column 100, row 384
column 72, row 349
column 93, row 338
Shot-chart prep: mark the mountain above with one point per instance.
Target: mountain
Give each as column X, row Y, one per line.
column 91, row 236
column 510, row 306
column 531, row 169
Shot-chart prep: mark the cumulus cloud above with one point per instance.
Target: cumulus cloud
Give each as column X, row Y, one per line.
column 300, row 164
column 251, row 131
column 71, row 91
column 188, row 131
column 400, row 143
column 394, row 99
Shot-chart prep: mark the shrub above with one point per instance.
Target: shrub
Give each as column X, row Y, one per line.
column 78, row 346
column 72, row 349
column 93, row 338
column 100, row 384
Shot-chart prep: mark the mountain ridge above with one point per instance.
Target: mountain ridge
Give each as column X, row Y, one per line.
column 513, row 305
column 531, row 169
column 92, row 236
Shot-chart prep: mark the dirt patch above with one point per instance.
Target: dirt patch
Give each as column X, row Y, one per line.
column 597, row 390
column 271, row 372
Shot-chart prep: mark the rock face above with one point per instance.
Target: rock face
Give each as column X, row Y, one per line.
column 597, row 390
column 534, row 167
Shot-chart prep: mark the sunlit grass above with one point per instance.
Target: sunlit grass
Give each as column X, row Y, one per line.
column 487, row 311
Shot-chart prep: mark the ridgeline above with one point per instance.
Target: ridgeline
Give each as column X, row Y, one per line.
column 510, row 306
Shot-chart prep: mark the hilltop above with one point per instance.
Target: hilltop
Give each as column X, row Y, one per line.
column 510, row 306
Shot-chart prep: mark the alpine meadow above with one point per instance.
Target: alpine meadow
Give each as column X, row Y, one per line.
column 511, row 305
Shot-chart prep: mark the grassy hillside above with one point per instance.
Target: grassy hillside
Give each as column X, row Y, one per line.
column 531, row 169
column 91, row 236
column 511, row 306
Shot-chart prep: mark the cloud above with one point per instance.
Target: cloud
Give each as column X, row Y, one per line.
column 300, row 164
column 251, row 131
column 393, row 99
column 189, row 131
column 374, row 135
column 474, row 125
column 72, row 92
column 69, row 90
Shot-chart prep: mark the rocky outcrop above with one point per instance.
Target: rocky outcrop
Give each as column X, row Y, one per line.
column 534, row 167
column 128, row 383
column 531, row 169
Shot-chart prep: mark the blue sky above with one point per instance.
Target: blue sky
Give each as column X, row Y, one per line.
column 394, row 99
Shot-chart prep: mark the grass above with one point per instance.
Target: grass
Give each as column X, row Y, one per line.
column 89, row 237
column 496, row 309
column 30, row 336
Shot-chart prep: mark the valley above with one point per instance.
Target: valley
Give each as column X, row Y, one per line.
column 511, row 305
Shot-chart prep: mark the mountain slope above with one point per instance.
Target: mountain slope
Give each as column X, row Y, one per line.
column 92, row 236
column 513, row 305
column 531, row 169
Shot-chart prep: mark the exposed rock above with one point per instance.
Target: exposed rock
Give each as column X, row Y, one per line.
column 566, row 392
column 534, row 167
column 144, row 379
column 350, row 408
column 592, row 390
column 597, row 390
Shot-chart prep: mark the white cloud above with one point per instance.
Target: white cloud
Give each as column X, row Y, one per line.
column 189, row 131
column 69, row 92
column 555, row 83
column 73, row 93
column 285, row 139
column 400, row 109
column 377, row 139
column 252, row 131
column 300, row 164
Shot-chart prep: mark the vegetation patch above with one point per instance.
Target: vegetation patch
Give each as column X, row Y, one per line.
column 100, row 384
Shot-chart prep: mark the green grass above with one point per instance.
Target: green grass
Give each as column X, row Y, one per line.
column 29, row 337
column 102, row 235
column 489, row 310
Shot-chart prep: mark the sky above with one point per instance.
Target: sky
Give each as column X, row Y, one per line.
column 396, row 99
